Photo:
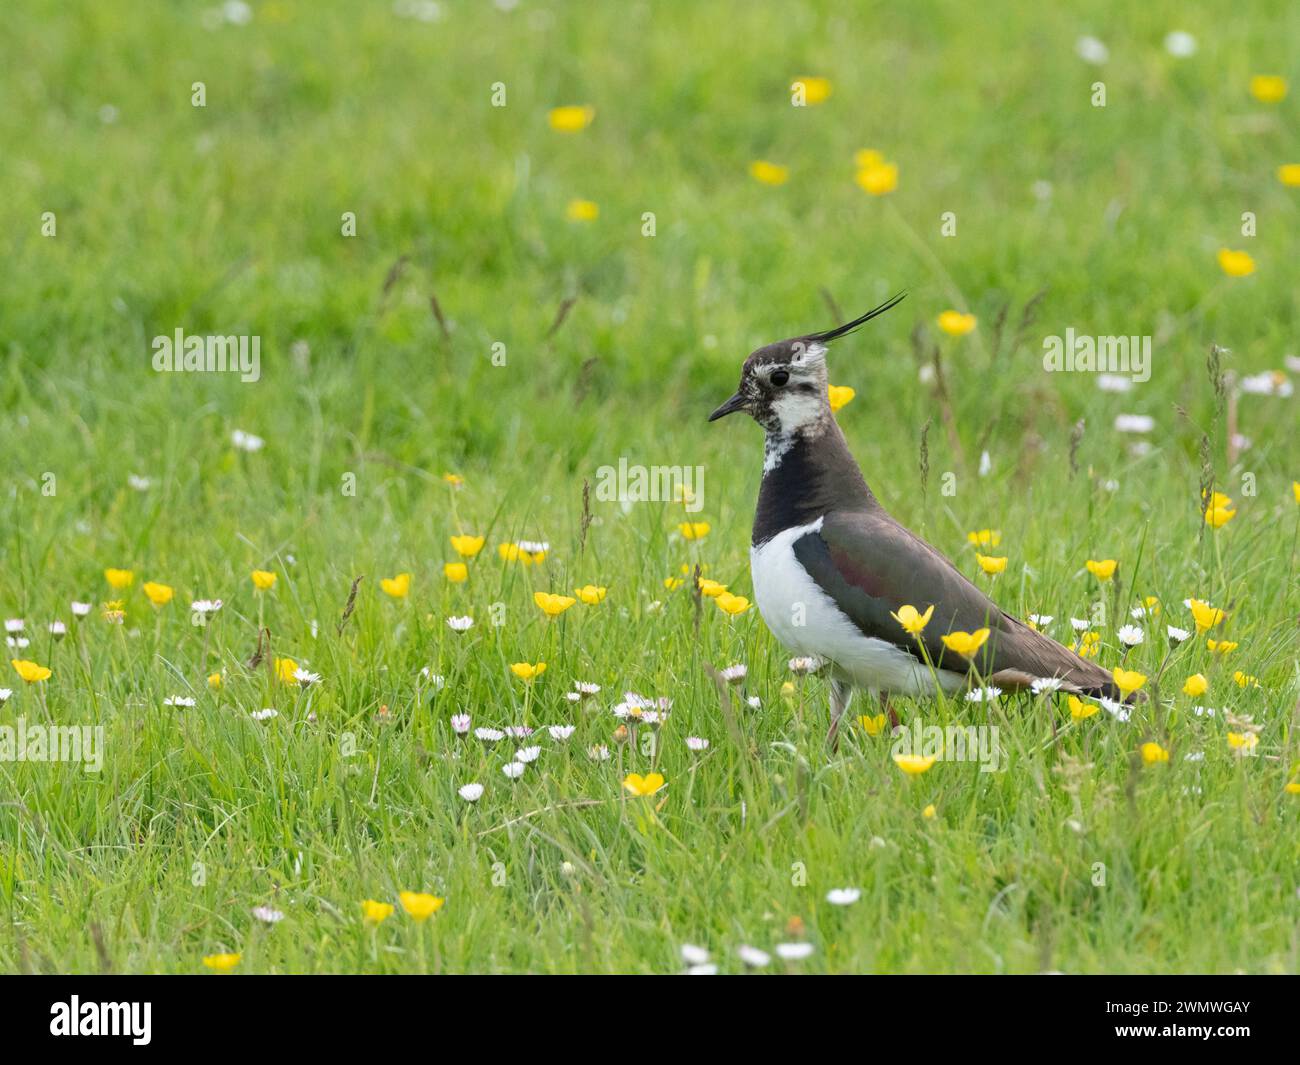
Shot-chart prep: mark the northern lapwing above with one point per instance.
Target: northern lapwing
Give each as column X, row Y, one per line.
column 830, row 567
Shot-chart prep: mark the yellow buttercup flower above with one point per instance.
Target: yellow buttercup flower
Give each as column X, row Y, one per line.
column 956, row 324
column 1079, row 710
column 694, row 530
column 1153, row 753
column 30, row 671
column 1245, row 680
column 553, row 605
column 839, row 396
column 732, row 604
column 1218, row 517
column 467, row 546
column 454, row 479
column 1292, row 787
column 159, row 594
column 1206, row 616
column 912, row 620
column 711, row 588
column 527, row 670
column 222, row 963
column 1089, row 645
column 1295, row 491
column 1103, row 570
column 1243, row 741
column 398, row 587
column 929, row 812
column 1221, row 647
column 285, row 668
column 872, row 726
column 1196, row 685
column 1289, row 174
column 572, row 118
column 214, row 681
column 769, row 173
column 376, row 912
column 263, row 580
column 582, row 211
column 456, row 572
column 965, row 643
column 643, row 785
column 1268, row 88
column 814, row 90
column 990, row 564
column 119, row 578
column 913, row 764
column 673, row 583
column 591, row 594
column 1236, row 263
column 1127, row 680
column 984, row 538
column 878, row 180
column 420, row 905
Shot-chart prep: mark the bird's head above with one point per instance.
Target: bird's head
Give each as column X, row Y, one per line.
column 783, row 386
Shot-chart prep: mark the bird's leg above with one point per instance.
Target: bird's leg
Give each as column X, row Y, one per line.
column 887, row 709
column 841, row 694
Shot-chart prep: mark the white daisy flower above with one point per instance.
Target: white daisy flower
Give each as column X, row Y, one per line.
column 305, row 678
column 246, row 441
column 178, row 700
column 1041, row 620
column 1080, row 624
column 599, row 753
column 1268, row 383
column 527, row 754
column 460, row 724
column 1119, row 711
column 58, row 630
column 697, row 743
column 843, row 896
column 651, row 717
column 753, row 957
column 80, row 610
column 205, row 606
column 560, row 733
column 18, row 642
column 267, row 915
column 264, row 714
column 693, row 955
column 754, row 702
column 1204, row 711
column 573, row 697
column 514, row 770
column 734, row 674
column 470, row 792
column 14, row 624
column 1130, row 635
column 518, row 732
column 1180, row 44
column 805, row 664
column 706, row 969
column 5, row 693
column 1177, row 635
column 436, row 679
column 1043, row 685
column 584, row 688
column 489, row 735
column 140, row 484
column 794, row 951
column 1194, row 756
column 983, row 695
column 1134, row 423
column 533, row 547
column 460, row 624
column 1109, row 382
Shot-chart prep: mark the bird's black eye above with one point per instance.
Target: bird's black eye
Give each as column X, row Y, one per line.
column 780, row 377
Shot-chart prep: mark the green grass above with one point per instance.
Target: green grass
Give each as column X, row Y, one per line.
column 226, row 219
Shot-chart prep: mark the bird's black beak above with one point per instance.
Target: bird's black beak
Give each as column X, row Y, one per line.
column 735, row 403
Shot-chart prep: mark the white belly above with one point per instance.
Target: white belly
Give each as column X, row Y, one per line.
column 805, row 620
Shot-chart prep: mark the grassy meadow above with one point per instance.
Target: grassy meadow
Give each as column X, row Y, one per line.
column 520, row 305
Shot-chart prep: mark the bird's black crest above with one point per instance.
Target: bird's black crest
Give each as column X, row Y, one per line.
column 848, row 327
